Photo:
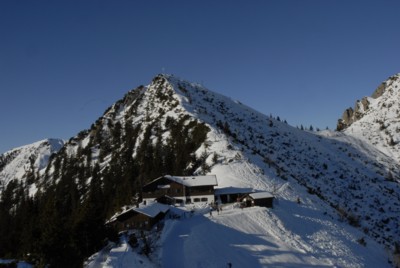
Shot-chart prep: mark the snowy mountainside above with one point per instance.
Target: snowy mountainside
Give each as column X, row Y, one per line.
column 245, row 148
column 176, row 127
column 27, row 161
column 376, row 120
column 338, row 179
column 140, row 137
column 350, row 175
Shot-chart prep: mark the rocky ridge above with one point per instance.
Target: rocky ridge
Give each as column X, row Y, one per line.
column 375, row 119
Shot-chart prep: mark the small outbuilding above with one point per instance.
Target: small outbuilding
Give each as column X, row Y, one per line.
column 231, row 194
column 142, row 217
column 262, row 199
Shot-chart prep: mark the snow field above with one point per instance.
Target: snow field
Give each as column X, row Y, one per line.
column 287, row 236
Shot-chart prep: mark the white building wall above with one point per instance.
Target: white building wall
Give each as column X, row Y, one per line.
column 197, row 199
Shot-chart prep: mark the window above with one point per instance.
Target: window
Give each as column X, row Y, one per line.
column 204, row 199
column 196, row 200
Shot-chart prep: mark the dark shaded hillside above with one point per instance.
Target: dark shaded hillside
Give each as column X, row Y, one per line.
column 96, row 173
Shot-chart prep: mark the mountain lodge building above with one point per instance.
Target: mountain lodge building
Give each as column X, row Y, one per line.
column 161, row 194
column 190, row 189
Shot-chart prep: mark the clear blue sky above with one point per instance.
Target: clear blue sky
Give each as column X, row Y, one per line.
column 62, row 63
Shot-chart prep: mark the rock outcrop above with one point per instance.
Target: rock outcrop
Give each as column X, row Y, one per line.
column 352, row 115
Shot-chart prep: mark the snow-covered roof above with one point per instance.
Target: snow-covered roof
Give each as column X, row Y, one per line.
column 233, row 190
column 260, row 195
column 191, row 181
column 151, row 210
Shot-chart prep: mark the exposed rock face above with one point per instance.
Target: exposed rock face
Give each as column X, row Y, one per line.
column 376, row 119
column 346, row 120
column 351, row 115
column 379, row 91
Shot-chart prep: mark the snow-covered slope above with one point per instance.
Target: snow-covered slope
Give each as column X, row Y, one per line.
column 257, row 151
column 27, row 162
column 376, row 119
column 290, row 235
column 348, row 188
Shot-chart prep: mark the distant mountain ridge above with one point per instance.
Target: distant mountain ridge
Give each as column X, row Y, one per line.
column 26, row 162
column 176, row 127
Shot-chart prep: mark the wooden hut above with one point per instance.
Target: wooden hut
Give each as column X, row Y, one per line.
column 262, row 199
column 143, row 217
column 231, row 194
